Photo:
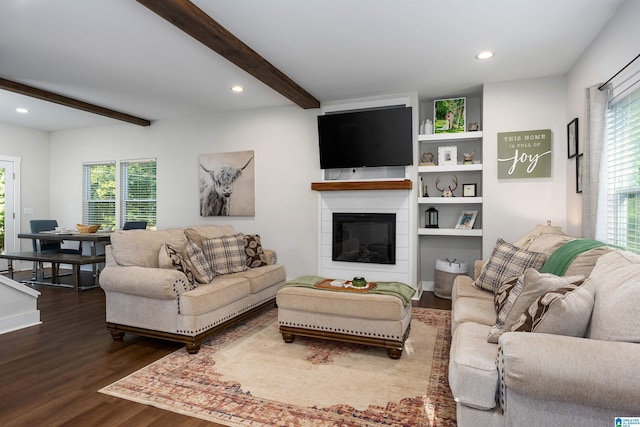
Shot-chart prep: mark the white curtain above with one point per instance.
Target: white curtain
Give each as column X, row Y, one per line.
column 594, row 220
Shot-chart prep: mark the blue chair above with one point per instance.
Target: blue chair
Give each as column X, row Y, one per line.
column 38, row 226
column 135, row 225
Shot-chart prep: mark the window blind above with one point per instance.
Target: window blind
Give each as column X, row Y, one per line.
column 99, row 201
column 138, row 184
column 623, row 170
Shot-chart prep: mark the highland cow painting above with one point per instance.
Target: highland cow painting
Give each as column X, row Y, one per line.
column 227, row 184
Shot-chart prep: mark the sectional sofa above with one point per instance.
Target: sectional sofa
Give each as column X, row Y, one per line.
column 545, row 348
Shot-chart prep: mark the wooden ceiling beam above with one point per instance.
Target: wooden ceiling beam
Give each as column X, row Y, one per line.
column 193, row 21
column 45, row 95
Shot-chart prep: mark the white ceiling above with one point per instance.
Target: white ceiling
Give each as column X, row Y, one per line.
column 120, row 55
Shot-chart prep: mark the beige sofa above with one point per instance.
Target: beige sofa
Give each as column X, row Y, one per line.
column 158, row 284
column 578, row 366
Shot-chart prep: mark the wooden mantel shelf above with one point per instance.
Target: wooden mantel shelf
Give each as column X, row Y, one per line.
column 362, row 185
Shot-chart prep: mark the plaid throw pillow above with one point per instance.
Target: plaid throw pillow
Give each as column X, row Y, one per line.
column 169, row 257
column 201, row 269
column 507, row 261
column 226, row 254
column 254, row 251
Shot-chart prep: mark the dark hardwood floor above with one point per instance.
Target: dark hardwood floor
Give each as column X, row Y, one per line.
column 50, row 374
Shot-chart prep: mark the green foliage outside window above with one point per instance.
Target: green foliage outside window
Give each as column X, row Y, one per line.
column 100, row 195
column 139, row 192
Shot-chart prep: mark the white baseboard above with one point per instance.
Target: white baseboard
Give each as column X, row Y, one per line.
column 19, row 321
column 428, row 285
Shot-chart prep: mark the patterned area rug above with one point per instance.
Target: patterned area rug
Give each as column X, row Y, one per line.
column 248, row 376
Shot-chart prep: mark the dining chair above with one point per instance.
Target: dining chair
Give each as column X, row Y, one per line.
column 38, row 226
column 135, row 225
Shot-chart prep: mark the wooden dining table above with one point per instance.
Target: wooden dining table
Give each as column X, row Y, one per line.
column 60, row 236
column 94, row 258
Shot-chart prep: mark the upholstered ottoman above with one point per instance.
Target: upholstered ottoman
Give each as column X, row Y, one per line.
column 379, row 316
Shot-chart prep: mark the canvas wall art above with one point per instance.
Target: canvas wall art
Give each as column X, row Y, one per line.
column 227, row 184
column 525, row 154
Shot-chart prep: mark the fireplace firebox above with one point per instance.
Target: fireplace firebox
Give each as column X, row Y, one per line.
column 364, row 237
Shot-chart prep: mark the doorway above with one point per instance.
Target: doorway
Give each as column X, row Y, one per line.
column 9, row 221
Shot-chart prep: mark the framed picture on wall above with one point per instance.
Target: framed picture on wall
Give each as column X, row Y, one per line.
column 579, row 165
column 572, row 138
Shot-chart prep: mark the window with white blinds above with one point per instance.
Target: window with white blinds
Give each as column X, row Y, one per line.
column 99, row 205
column 623, row 172
column 138, row 194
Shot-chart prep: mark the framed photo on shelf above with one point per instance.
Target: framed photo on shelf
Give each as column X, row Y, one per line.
column 469, row 190
column 447, row 155
column 572, row 138
column 466, row 220
column 579, row 173
column 449, row 115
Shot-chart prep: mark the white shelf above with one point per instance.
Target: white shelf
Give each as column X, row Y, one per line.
column 449, row 200
column 443, row 137
column 449, row 232
column 451, row 168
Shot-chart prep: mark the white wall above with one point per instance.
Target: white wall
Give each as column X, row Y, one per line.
column 612, row 49
column 513, row 207
column 286, row 162
column 32, row 147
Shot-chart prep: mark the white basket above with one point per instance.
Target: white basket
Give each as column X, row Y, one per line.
column 446, row 273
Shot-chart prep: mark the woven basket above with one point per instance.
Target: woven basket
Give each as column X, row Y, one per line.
column 446, row 273
column 87, row 228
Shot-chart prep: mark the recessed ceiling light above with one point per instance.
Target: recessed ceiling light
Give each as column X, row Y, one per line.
column 237, row 89
column 485, row 55
column 22, row 110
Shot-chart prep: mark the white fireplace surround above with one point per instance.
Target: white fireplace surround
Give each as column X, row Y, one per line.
column 366, row 201
column 392, row 196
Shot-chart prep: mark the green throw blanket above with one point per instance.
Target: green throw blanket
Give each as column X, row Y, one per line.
column 396, row 289
column 559, row 261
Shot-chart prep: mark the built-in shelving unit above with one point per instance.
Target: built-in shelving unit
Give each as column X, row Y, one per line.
column 464, row 173
column 446, row 241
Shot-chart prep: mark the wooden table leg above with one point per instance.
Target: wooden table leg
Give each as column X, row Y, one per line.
column 76, row 278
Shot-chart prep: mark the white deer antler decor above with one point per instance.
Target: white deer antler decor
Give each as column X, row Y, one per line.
column 449, row 191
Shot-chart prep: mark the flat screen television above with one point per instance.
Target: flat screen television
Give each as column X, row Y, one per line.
column 371, row 138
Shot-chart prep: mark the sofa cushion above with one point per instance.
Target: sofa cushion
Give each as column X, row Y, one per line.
column 463, row 287
column 469, row 309
column 507, row 261
column 583, row 264
column 616, row 279
column 473, row 376
column 220, row 292
column 141, row 247
column 169, row 257
column 562, row 311
column 262, row 277
column 225, row 254
column 201, row 268
column 516, row 295
column 254, row 251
